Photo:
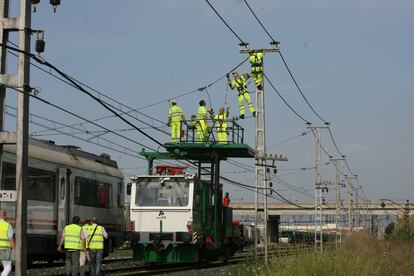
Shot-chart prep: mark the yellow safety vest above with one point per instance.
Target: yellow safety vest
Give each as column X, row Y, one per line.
column 256, row 59
column 221, row 121
column 72, row 234
column 97, row 241
column 202, row 112
column 176, row 114
column 240, row 84
column 4, row 235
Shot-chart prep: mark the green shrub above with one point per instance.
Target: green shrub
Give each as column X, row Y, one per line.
column 360, row 254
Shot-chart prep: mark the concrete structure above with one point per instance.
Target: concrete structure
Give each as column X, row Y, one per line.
column 285, row 209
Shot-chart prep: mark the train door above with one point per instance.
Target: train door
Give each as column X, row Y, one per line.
column 63, row 200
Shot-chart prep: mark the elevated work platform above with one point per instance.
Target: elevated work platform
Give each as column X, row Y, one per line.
column 207, row 149
column 201, row 151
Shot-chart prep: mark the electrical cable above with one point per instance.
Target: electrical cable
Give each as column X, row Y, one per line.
column 285, row 63
column 89, row 87
column 85, row 140
column 283, row 99
column 287, row 67
column 225, row 23
column 288, row 139
column 80, row 88
column 334, row 142
column 77, row 116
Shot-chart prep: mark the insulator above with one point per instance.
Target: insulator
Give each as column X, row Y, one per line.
column 268, row 170
column 40, row 46
column 34, row 3
column 54, row 3
column 275, row 171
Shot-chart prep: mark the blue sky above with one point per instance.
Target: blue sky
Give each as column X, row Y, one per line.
column 353, row 60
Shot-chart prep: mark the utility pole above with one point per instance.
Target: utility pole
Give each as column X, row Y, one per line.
column 350, row 204
column 318, row 186
column 338, row 234
column 22, row 25
column 260, row 156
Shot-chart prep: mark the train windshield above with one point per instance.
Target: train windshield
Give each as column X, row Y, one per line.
column 155, row 192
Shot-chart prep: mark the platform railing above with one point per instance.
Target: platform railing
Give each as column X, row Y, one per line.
column 191, row 131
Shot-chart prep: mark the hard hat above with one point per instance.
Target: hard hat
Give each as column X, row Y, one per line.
column 173, row 101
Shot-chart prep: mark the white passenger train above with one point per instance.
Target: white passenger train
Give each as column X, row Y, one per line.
column 63, row 182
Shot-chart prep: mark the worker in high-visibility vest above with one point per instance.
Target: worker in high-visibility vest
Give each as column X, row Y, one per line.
column 239, row 83
column 202, row 122
column 6, row 244
column 95, row 244
column 256, row 61
column 73, row 241
column 175, row 118
column 220, row 121
column 84, row 255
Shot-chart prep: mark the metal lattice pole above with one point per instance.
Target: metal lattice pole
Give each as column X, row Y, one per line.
column 260, row 156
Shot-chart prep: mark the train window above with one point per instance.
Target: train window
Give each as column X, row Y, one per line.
column 41, row 183
column 89, row 192
column 167, row 193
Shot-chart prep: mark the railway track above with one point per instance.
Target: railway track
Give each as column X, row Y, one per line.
column 238, row 258
column 125, row 266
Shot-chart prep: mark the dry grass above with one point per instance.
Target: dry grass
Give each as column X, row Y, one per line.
column 360, row 254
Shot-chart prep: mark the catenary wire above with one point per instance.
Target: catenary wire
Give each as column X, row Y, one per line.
column 288, row 139
column 77, row 116
column 225, row 23
column 80, row 88
column 83, row 139
column 285, row 63
column 283, row 99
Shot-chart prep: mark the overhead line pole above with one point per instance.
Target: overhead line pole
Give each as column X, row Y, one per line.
column 338, row 234
column 260, row 155
column 318, row 186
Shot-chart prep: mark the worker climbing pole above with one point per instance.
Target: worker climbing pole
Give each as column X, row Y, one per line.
column 256, row 61
column 239, row 83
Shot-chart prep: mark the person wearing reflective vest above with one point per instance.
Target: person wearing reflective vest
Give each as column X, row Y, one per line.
column 6, row 244
column 84, row 255
column 202, row 124
column 256, row 61
column 175, row 118
column 95, row 244
column 220, row 121
column 239, row 83
column 73, row 241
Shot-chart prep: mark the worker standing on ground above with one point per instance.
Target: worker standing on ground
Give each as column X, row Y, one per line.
column 72, row 238
column 226, row 200
column 202, row 123
column 221, row 125
column 95, row 243
column 239, row 82
column 84, row 254
column 6, row 244
column 256, row 61
column 175, row 118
